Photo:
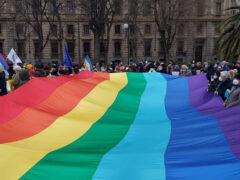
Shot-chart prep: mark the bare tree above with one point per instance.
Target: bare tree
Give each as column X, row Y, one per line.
column 100, row 16
column 109, row 18
column 57, row 7
column 136, row 35
column 166, row 17
column 36, row 14
column 2, row 3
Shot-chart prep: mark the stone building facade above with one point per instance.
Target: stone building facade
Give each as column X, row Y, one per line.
column 196, row 36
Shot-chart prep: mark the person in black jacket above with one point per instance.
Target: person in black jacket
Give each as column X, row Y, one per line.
column 224, row 85
column 210, row 70
column 214, row 82
column 3, row 85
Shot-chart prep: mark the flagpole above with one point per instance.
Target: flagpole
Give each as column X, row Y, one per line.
column 79, row 45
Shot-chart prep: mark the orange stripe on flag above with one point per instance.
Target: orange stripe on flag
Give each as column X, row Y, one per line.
column 35, row 119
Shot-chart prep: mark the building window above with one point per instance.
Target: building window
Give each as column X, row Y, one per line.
column 51, row 7
column 181, row 29
column 234, row 3
column 21, row 49
column 69, row 7
column 199, row 29
column 86, row 29
column 36, row 7
column 132, row 48
column 200, row 7
column 118, row 29
column 84, row 10
column 217, row 29
column 19, row 29
column 36, row 28
column 53, row 29
column 86, row 48
column 132, row 7
column 118, row 7
column 161, row 47
column 218, row 8
column 180, row 46
column 54, row 50
column 18, row 6
column 216, row 46
column 71, row 48
column 147, row 8
column 1, row 47
column 0, row 29
column 147, row 29
column 70, row 29
column 117, row 48
column 181, row 8
column 102, row 49
column 132, row 29
column 148, row 47
column 36, row 50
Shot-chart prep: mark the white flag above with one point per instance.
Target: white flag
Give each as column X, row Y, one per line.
column 13, row 57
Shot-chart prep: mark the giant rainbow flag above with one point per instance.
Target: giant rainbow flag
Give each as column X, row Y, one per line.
column 118, row 127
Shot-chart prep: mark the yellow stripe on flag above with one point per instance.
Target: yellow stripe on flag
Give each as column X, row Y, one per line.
column 18, row 157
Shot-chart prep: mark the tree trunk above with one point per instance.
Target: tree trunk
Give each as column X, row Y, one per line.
column 106, row 55
column 61, row 50
column 60, row 36
column 106, row 49
column 40, row 49
column 96, row 48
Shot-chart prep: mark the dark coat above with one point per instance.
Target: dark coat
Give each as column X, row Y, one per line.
column 3, row 85
column 40, row 73
column 24, row 77
column 210, row 72
column 223, row 87
column 213, row 85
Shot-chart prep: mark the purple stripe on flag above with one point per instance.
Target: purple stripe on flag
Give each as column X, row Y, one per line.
column 207, row 103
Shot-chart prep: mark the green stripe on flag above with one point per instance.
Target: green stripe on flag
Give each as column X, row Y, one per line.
column 80, row 159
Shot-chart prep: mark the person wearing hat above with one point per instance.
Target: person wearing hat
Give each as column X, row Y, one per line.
column 31, row 71
column 16, row 79
column 3, row 85
column 234, row 98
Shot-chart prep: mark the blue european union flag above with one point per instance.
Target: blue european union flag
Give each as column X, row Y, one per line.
column 67, row 59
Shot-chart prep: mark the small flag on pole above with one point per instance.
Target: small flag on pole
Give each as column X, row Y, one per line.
column 13, row 57
column 87, row 64
column 3, row 62
column 67, row 59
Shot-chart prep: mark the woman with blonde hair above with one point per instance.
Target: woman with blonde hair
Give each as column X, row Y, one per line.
column 233, row 73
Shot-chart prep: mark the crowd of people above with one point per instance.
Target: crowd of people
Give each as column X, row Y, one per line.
column 223, row 77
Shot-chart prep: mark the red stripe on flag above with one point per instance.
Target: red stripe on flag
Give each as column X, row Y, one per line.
column 33, row 120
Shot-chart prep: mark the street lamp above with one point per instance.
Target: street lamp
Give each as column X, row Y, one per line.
column 126, row 27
